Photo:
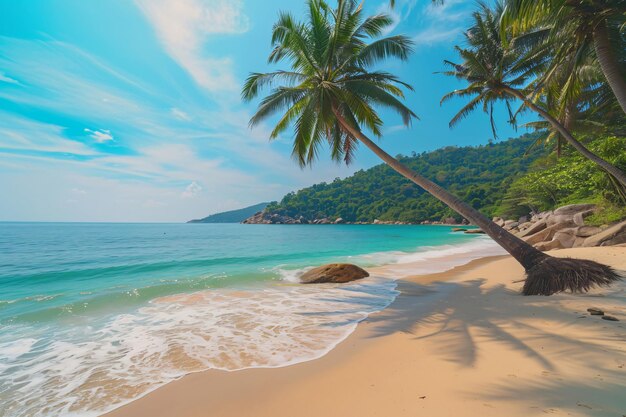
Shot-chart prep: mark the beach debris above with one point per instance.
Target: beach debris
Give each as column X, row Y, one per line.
column 610, row 318
column 595, row 311
column 337, row 273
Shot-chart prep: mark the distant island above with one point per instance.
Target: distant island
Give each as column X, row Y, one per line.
column 232, row 216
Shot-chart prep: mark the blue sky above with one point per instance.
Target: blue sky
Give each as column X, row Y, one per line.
column 129, row 110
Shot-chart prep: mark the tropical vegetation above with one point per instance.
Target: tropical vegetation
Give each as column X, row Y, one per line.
column 508, row 179
column 500, row 68
column 480, row 175
column 330, row 94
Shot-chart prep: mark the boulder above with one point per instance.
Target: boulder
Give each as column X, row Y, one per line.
column 553, row 219
column 525, row 225
column 499, row 221
column 339, row 221
column 510, row 224
column 458, row 229
column 337, row 273
column 522, row 219
column 579, row 218
column 540, row 216
column 545, row 246
column 586, row 231
column 541, row 236
column 613, row 235
column 474, row 231
column 572, row 209
column 567, row 237
column 531, row 230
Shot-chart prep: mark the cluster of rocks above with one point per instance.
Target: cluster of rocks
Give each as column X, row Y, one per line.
column 558, row 229
column 564, row 228
column 450, row 221
column 263, row 217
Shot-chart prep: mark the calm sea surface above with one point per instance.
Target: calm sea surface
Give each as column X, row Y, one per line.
column 95, row 315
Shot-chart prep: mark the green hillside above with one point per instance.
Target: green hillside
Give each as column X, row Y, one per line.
column 480, row 175
column 233, row 216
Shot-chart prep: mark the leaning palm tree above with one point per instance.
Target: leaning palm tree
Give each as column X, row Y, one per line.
column 497, row 71
column 588, row 26
column 329, row 94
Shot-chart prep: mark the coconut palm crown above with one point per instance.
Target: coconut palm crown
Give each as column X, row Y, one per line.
column 330, row 59
column 329, row 93
column 575, row 30
column 496, row 69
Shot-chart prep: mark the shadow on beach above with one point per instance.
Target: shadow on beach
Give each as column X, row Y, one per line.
column 461, row 319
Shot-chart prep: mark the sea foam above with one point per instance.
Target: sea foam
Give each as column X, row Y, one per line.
column 89, row 366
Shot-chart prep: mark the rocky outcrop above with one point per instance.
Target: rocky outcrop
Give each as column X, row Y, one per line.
column 337, row 273
column 263, row 217
column 564, row 228
column 474, row 231
column 558, row 229
column 613, row 235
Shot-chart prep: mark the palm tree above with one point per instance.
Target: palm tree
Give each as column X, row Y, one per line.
column 586, row 25
column 328, row 96
column 497, row 71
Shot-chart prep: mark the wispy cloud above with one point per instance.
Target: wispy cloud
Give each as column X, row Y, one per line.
column 180, row 115
column 432, row 36
column 183, row 26
column 399, row 13
column 441, row 23
column 100, row 136
column 192, row 190
column 6, row 79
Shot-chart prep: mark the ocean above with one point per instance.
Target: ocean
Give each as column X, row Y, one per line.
column 93, row 316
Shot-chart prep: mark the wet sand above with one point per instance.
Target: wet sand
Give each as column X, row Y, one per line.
column 459, row 343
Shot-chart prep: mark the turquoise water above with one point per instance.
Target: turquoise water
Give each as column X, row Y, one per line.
column 94, row 315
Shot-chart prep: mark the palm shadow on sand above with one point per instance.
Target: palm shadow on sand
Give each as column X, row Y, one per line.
column 456, row 316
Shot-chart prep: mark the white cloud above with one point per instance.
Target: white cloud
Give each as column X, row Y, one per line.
column 399, row 13
column 183, row 26
column 22, row 134
column 441, row 22
column 432, row 36
column 181, row 115
column 192, row 190
column 101, row 135
column 5, row 78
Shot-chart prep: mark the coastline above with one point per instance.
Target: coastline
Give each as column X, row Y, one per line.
column 460, row 342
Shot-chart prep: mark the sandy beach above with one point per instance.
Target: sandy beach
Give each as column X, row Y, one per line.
column 459, row 343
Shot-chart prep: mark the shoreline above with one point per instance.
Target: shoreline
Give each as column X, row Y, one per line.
column 387, row 365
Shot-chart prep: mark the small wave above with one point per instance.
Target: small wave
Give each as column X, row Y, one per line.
column 290, row 275
column 420, row 261
column 90, row 368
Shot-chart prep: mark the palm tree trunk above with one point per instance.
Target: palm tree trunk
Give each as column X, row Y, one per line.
column 609, row 64
column 524, row 253
column 618, row 174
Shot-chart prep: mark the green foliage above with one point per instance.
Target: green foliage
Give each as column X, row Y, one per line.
column 478, row 175
column 331, row 89
column 571, row 179
column 232, row 216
